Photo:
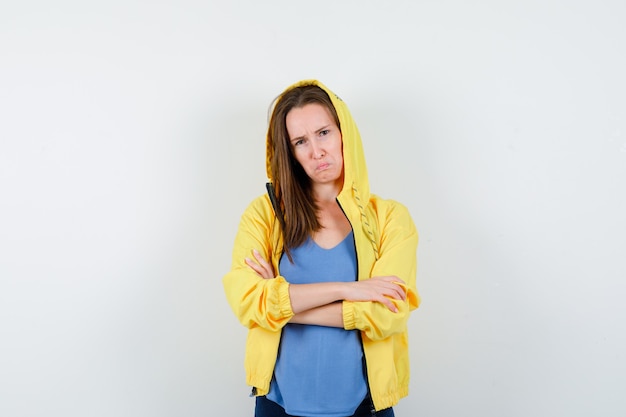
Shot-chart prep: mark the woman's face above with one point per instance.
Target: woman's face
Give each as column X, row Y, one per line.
column 315, row 140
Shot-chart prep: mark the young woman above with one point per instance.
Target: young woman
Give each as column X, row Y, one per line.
column 323, row 272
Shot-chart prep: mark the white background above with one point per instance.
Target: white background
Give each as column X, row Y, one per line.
column 132, row 138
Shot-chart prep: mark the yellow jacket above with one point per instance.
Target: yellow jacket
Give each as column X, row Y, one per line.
column 386, row 244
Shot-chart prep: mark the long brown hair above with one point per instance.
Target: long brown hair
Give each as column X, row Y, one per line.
column 297, row 210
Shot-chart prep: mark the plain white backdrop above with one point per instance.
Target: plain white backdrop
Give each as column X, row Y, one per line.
column 132, row 138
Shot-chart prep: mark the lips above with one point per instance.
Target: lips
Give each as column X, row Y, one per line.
column 322, row 167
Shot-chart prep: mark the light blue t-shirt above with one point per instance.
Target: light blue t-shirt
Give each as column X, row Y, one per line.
column 319, row 370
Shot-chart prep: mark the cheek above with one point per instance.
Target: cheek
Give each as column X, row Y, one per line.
column 340, row 146
column 339, row 151
column 299, row 157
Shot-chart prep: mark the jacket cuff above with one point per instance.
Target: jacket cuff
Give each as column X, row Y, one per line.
column 349, row 319
column 284, row 301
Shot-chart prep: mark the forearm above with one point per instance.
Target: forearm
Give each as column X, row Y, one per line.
column 330, row 315
column 309, row 296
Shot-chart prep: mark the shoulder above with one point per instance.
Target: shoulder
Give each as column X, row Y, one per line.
column 392, row 217
column 257, row 221
column 388, row 208
column 259, row 211
column 261, row 205
column 395, row 224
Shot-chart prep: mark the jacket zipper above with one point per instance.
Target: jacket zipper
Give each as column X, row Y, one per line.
column 367, row 379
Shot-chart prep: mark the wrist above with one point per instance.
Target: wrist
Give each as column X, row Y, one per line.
column 343, row 289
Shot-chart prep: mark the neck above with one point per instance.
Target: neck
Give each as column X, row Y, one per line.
column 326, row 193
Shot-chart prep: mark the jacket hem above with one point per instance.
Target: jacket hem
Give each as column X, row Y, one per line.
column 389, row 400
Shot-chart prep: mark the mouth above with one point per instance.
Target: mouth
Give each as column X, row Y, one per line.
column 323, row 166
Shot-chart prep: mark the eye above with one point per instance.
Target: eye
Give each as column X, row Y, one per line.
column 324, row 132
column 298, row 142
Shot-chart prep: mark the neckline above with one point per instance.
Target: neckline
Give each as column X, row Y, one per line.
column 331, row 248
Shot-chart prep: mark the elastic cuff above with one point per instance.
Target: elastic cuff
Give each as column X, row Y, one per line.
column 284, row 301
column 349, row 321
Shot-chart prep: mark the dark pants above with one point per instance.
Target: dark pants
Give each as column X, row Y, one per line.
column 268, row 408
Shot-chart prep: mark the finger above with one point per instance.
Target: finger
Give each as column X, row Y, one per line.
column 269, row 270
column 400, row 292
column 394, row 279
column 260, row 259
column 258, row 269
column 398, row 289
column 391, row 306
column 395, row 291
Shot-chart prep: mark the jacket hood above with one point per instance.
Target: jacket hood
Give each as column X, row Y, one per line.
column 355, row 170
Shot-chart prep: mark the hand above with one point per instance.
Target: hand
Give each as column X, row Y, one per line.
column 261, row 266
column 379, row 289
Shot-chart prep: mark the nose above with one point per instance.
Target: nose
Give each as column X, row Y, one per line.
column 318, row 152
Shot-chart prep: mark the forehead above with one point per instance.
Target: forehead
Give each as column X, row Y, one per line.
column 306, row 119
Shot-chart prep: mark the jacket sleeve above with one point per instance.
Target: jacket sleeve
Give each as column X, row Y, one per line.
column 254, row 300
column 398, row 257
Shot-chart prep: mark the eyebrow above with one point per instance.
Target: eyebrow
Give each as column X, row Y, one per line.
column 317, row 131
